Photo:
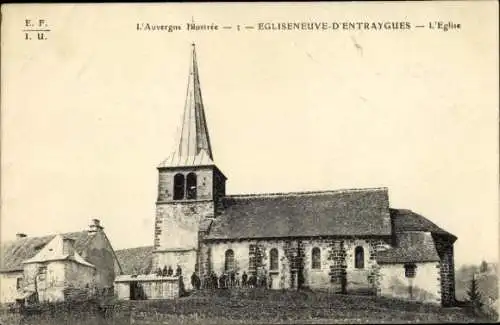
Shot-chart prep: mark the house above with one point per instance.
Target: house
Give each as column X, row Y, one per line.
column 57, row 267
column 348, row 241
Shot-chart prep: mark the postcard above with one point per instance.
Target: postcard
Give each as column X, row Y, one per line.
column 223, row 163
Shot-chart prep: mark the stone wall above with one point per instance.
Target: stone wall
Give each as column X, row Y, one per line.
column 186, row 259
column 79, row 276
column 177, row 223
column 8, row 286
column 336, row 272
column 337, row 266
column 205, row 186
column 444, row 247
column 203, row 258
column 366, row 279
column 424, row 287
column 150, row 289
column 100, row 253
column 56, row 278
column 332, row 267
column 219, row 184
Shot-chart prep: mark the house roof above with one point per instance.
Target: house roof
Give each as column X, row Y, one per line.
column 138, row 260
column 406, row 220
column 412, row 247
column 53, row 251
column 355, row 212
column 14, row 252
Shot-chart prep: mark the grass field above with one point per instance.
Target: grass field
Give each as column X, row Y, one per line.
column 255, row 307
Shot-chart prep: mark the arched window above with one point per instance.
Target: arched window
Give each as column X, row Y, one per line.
column 178, row 187
column 316, row 258
column 229, row 262
column 359, row 258
column 191, row 186
column 274, row 259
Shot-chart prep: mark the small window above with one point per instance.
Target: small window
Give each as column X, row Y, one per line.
column 274, row 259
column 410, row 270
column 19, row 282
column 39, row 247
column 359, row 258
column 316, row 258
column 229, row 262
column 179, row 187
column 191, row 186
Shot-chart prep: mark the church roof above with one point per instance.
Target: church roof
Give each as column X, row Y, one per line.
column 412, row 247
column 193, row 146
column 356, row 212
column 414, row 239
column 14, row 252
column 406, row 220
column 138, row 260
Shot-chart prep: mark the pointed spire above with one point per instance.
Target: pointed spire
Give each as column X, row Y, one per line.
column 193, row 146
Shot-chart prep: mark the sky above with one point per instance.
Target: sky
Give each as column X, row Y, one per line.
column 88, row 114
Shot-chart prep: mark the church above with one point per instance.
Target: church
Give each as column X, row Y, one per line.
column 347, row 241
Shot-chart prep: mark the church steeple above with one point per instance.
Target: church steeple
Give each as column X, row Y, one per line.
column 193, row 143
column 190, row 188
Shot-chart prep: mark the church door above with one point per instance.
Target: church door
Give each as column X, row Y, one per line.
column 275, row 280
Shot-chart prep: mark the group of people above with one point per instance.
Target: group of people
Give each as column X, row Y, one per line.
column 212, row 281
column 228, row 280
column 169, row 271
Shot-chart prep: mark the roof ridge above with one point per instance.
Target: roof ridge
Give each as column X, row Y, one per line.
column 28, row 238
column 129, row 248
column 300, row 193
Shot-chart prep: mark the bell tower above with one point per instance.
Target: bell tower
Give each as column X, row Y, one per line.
column 189, row 186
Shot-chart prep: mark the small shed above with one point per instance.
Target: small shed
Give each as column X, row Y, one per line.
column 147, row 286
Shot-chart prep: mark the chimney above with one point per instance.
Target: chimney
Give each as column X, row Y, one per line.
column 21, row 235
column 95, row 226
column 68, row 246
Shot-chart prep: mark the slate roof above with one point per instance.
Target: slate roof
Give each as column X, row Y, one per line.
column 14, row 252
column 355, row 212
column 412, row 247
column 53, row 251
column 406, row 220
column 193, row 146
column 138, row 260
column 414, row 239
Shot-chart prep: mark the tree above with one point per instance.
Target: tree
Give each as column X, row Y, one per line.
column 474, row 295
column 484, row 267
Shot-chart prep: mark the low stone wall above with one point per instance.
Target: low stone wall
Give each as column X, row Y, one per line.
column 146, row 287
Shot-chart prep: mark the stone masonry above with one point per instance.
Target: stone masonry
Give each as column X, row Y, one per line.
column 447, row 270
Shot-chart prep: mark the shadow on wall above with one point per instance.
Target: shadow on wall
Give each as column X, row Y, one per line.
column 103, row 259
column 400, row 289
